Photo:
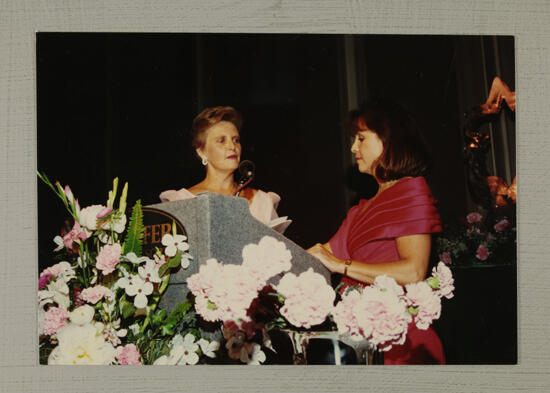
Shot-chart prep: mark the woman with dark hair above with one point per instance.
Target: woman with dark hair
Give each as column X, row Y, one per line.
column 216, row 140
column 389, row 233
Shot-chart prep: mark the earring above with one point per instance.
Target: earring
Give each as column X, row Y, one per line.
column 204, row 161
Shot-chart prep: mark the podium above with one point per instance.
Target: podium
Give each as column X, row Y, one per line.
column 219, row 226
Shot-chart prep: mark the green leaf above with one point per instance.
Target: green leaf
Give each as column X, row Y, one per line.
column 433, row 282
column 126, row 308
column 412, row 310
column 157, row 318
column 172, row 263
column 178, row 313
column 134, row 235
column 167, row 330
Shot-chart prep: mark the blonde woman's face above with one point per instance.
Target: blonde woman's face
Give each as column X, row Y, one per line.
column 222, row 147
column 367, row 148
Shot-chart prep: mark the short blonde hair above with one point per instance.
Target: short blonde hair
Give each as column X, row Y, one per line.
column 209, row 117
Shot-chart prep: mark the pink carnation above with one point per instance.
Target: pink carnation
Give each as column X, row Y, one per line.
column 427, row 302
column 44, row 280
column 75, row 234
column 474, row 217
column 266, row 259
column 386, row 283
column 446, row 258
column 445, row 279
column 108, row 258
column 482, row 252
column 308, row 298
column 57, row 270
column 55, row 319
column 128, row 355
column 502, row 225
column 344, row 316
column 95, row 294
column 223, row 292
column 382, row 317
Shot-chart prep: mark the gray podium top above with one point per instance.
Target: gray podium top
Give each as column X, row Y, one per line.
column 219, row 226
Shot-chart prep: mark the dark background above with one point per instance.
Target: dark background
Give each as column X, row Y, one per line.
column 122, row 104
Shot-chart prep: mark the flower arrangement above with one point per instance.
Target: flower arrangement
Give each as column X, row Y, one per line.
column 251, row 299
column 485, row 236
column 98, row 305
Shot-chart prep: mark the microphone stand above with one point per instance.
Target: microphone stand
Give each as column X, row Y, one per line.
column 243, row 184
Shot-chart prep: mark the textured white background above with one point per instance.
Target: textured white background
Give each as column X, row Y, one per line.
column 528, row 21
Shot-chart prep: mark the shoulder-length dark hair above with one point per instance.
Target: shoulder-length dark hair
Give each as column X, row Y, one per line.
column 404, row 150
column 209, row 117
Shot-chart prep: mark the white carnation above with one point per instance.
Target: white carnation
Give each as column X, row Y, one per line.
column 82, row 315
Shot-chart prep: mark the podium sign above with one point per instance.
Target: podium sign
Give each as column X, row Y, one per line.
column 219, row 226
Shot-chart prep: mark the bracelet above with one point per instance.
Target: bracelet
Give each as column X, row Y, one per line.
column 347, row 263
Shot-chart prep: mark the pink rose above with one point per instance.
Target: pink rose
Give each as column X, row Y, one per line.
column 95, row 294
column 128, row 355
column 108, row 258
column 502, row 225
column 445, row 257
column 474, row 217
column 55, row 319
column 482, row 252
column 75, row 234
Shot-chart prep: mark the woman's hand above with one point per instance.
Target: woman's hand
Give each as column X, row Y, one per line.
column 327, row 258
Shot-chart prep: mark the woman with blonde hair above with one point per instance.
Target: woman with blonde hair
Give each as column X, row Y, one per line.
column 216, row 139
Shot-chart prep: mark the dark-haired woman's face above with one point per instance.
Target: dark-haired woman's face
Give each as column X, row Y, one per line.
column 222, row 146
column 367, row 148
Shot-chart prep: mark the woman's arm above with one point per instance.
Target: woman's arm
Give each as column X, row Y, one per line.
column 414, row 251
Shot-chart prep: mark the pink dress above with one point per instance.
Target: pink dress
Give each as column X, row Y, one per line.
column 406, row 208
column 263, row 206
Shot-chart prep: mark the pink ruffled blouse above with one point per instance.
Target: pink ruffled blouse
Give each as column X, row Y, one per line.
column 262, row 207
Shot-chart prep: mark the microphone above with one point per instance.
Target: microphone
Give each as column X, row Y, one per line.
column 246, row 173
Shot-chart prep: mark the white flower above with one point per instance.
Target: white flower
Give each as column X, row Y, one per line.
column 82, row 315
column 56, row 291
column 208, row 348
column 185, row 260
column 184, row 351
column 134, row 328
column 111, row 332
column 187, row 348
column 132, row 257
column 58, row 240
column 149, row 272
column 81, row 345
column 140, row 289
column 174, row 244
column 256, row 356
column 88, row 216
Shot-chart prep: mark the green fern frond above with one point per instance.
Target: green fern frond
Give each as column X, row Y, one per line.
column 134, row 234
